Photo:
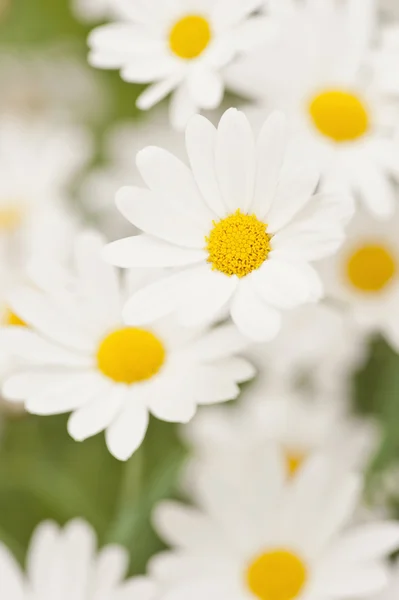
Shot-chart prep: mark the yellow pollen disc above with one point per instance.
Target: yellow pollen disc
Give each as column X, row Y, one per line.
column 11, row 319
column 371, row 268
column 294, row 461
column 339, row 115
column 276, row 575
column 190, row 36
column 130, row 355
column 238, row 244
column 10, row 218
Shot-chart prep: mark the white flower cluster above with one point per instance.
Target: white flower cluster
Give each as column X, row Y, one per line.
column 262, row 246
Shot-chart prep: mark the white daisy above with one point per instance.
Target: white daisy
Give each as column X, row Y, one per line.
column 243, row 232
column 84, row 359
column 364, row 275
column 343, row 124
column 122, row 144
column 318, row 346
column 64, row 563
column 93, row 10
column 256, row 535
column 181, row 45
column 299, row 424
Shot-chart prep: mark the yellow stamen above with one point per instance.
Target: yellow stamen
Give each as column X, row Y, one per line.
column 339, row 115
column 371, row 268
column 276, row 575
column 130, row 355
column 294, row 461
column 190, row 36
column 11, row 319
column 10, row 218
column 238, row 244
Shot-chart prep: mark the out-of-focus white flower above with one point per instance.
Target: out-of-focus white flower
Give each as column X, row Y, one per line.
column 298, row 423
column 93, row 10
column 64, row 563
column 123, row 142
column 318, row 346
column 342, row 122
column 256, row 535
column 180, row 46
column 242, row 233
column 84, row 359
column 40, row 85
column 365, row 275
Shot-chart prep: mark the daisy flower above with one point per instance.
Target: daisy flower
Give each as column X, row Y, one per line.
column 93, row 10
column 300, row 425
column 364, row 275
column 64, row 563
column 84, row 359
column 241, row 231
column 328, row 349
column 122, row 143
column 342, row 121
column 256, row 535
column 180, row 46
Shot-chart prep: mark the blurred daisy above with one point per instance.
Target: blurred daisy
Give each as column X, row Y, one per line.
column 123, row 142
column 243, row 232
column 342, row 122
column 255, row 535
column 93, row 10
column 64, row 563
column 181, row 46
column 84, row 359
column 299, row 424
column 365, row 275
column 328, row 349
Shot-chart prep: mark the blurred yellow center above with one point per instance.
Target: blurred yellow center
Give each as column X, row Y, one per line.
column 339, row 115
column 294, row 461
column 130, row 355
column 238, row 244
column 11, row 319
column 10, row 218
column 276, row 575
column 190, row 36
column 371, row 267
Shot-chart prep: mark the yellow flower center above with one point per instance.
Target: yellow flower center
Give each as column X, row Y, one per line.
column 276, row 575
column 10, row 218
column 339, row 115
column 371, row 268
column 130, row 355
column 11, row 319
column 294, row 460
column 190, row 36
column 238, row 244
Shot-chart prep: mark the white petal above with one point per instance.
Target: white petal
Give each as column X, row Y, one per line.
column 368, row 542
column 375, row 188
column 146, row 68
column 253, row 317
column 355, row 581
column 291, row 197
column 206, row 87
column 235, row 160
column 44, row 548
column 182, row 107
column 127, row 432
column 12, row 583
column 169, row 176
column 154, row 214
column 144, row 251
column 221, row 342
column 201, row 141
column 286, row 285
column 228, row 13
column 139, row 588
column 156, row 92
column 96, row 415
column 208, row 295
column 254, row 32
column 307, row 241
column 110, row 568
column 271, row 147
column 170, row 400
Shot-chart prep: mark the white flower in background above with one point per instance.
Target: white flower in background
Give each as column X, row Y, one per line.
column 179, row 46
column 318, row 346
column 39, row 84
column 256, row 535
column 364, row 275
column 93, row 10
column 298, row 423
column 343, row 123
column 84, row 359
column 64, row 563
column 122, row 144
column 242, row 233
